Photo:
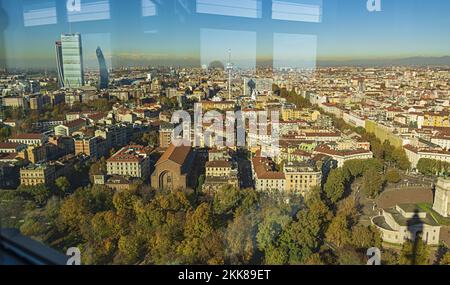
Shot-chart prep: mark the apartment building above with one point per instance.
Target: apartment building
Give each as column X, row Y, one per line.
column 442, row 140
column 219, row 175
column 35, row 154
column 47, row 173
column 69, row 128
column 217, row 105
column 265, row 178
column 218, row 168
column 341, row 156
column 36, row 102
column 115, row 136
column 218, row 154
column 415, row 154
column 436, row 119
column 37, row 174
column 131, row 161
column 10, row 147
column 165, row 134
column 301, row 177
column 28, row 139
column 15, row 102
column 93, row 147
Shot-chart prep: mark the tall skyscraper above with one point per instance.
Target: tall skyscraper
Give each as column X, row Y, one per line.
column 59, row 63
column 72, row 54
column 104, row 76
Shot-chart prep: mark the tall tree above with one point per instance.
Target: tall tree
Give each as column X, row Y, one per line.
column 335, row 185
column 393, row 176
column 445, row 260
column 373, row 182
column 338, row 232
column 63, row 185
column 240, row 239
column 401, row 159
column 415, row 253
column 365, row 237
column 202, row 243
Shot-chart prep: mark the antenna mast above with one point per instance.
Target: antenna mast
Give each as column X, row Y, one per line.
column 229, row 68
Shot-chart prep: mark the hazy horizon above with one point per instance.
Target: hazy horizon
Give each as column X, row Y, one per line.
column 306, row 34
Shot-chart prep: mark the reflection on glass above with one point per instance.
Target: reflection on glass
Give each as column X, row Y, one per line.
column 90, row 10
column 294, row 51
column 148, row 8
column 91, row 42
column 237, row 8
column 39, row 14
column 306, row 11
column 217, row 44
column 257, row 86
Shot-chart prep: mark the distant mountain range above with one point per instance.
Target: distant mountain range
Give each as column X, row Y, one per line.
column 409, row 61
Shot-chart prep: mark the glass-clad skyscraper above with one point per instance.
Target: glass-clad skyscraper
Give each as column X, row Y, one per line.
column 104, row 76
column 59, row 63
column 72, row 53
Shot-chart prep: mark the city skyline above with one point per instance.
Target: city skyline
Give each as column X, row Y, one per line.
column 344, row 31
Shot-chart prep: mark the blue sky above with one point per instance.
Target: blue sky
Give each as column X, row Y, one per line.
column 195, row 32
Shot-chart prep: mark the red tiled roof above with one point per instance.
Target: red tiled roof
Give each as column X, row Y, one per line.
column 175, row 154
column 329, row 151
column 9, row 145
column 263, row 170
column 75, row 123
column 8, row 156
column 131, row 153
column 324, row 135
column 96, row 116
column 27, row 137
column 417, row 150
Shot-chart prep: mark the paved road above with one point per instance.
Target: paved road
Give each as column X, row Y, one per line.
column 245, row 172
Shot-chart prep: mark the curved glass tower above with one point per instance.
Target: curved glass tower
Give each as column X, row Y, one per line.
column 104, row 76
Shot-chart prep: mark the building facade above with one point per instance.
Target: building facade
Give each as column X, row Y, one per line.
column 131, row 161
column 407, row 222
column 28, row 139
column 415, row 155
column 165, row 134
column 72, row 57
column 173, row 170
column 89, row 146
column 301, row 177
column 265, row 178
column 34, row 174
column 442, row 197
